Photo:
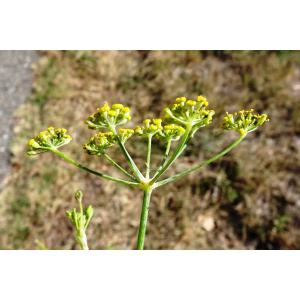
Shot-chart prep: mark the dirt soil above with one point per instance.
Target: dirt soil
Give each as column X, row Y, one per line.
column 247, row 200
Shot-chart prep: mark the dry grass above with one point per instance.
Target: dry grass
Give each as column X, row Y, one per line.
column 249, row 199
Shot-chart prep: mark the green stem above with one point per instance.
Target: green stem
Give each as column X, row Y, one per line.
column 176, row 153
column 143, row 219
column 109, row 159
column 167, row 151
column 78, row 165
column 82, row 240
column 129, row 159
column 148, row 156
column 202, row 164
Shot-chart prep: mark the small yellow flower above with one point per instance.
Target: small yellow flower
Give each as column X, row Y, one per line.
column 112, row 113
column 203, row 100
column 118, row 106
column 104, row 108
column 191, row 103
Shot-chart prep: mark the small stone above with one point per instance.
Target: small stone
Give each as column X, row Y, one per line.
column 207, row 223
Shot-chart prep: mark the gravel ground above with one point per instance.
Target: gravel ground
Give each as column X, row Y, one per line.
column 15, row 85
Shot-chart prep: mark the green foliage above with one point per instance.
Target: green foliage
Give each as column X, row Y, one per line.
column 281, row 223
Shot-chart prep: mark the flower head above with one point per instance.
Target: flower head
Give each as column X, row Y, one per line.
column 99, row 143
column 244, row 121
column 172, row 132
column 125, row 133
column 193, row 112
column 47, row 140
column 149, row 127
column 107, row 117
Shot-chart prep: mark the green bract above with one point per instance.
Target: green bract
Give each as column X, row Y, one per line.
column 80, row 220
column 109, row 117
column 189, row 112
column 178, row 126
column 244, row 121
column 99, row 143
column 52, row 138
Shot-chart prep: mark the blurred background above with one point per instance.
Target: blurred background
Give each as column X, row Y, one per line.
column 247, row 200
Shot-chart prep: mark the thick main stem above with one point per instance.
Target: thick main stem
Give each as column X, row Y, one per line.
column 144, row 219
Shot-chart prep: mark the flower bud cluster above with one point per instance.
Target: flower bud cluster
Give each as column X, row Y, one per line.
column 244, row 121
column 80, row 219
column 189, row 112
column 107, row 117
column 48, row 139
column 149, row 127
column 125, row 133
column 100, row 142
column 172, row 132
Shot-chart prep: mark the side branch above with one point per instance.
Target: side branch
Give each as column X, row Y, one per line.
column 115, row 164
column 129, row 159
column 148, row 166
column 176, row 153
column 202, row 164
column 78, row 165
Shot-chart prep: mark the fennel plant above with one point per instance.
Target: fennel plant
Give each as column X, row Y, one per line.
column 179, row 123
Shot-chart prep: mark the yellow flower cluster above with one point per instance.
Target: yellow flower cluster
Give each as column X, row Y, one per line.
column 244, row 121
column 149, row 127
column 189, row 112
column 125, row 133
column 99, row 143
column 172, row 132
column 155, row 128
column 49, row 138
column 108, row 117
